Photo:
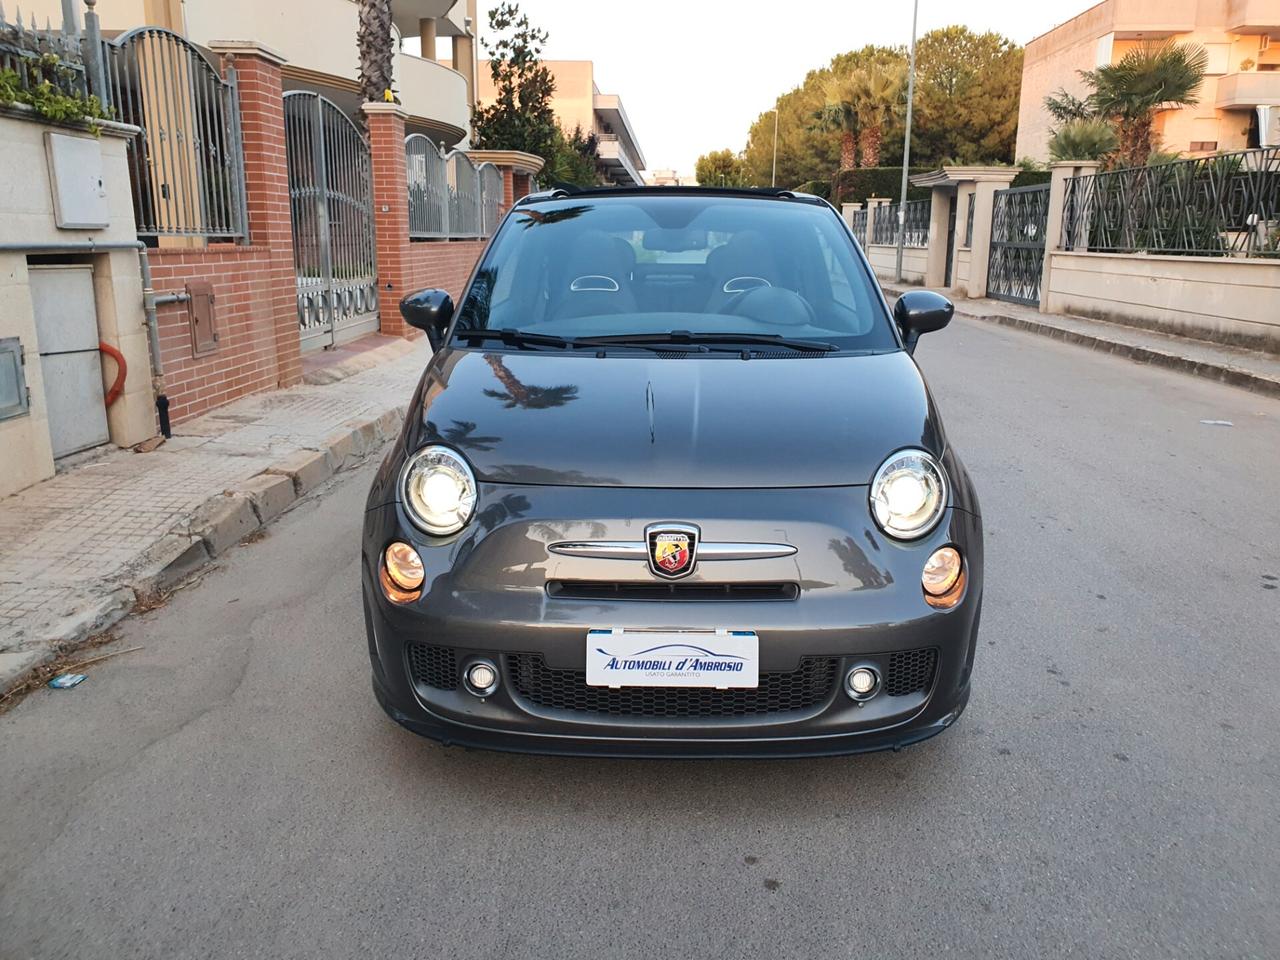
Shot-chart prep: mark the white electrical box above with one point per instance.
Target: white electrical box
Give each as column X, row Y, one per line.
column 75, row 175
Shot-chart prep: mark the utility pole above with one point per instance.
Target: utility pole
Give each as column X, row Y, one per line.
column 773, row 181
column 906, row 144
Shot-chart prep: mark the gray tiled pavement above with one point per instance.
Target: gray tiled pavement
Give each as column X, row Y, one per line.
column 68, row 544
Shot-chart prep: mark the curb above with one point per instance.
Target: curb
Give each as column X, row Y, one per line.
column 210, row 530
column 1221, row 373
column 1218, row 372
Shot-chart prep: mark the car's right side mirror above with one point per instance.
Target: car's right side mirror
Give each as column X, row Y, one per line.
column 429, row 311
column 921, row 311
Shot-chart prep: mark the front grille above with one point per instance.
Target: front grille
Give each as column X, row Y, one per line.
column 909, row 671
column 800, row 689
column 603, row 590
column 433, row 666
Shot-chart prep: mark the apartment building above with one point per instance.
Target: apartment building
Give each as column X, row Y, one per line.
column 1239, row 101
column 316, row 38
column 578, row 102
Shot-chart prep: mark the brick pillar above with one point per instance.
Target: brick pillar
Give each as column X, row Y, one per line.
column 266, row 171
column 390, row 213
column 508, row 188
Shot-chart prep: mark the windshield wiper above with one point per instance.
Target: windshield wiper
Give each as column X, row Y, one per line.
column 513, row 338
column 728, row 339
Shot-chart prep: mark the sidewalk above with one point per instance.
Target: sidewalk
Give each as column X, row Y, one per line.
column 83, row 549
column 1252, row 370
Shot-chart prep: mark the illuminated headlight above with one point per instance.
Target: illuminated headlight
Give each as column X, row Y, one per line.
column 438, row 490
column 908, row 494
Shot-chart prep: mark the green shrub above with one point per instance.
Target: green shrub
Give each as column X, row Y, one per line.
column 1031, row 178
column 855, row 186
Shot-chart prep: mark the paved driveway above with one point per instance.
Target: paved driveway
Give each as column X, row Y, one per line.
column 234, row 791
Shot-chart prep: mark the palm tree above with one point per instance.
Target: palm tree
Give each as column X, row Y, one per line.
column 876, row 92
column 1148, row 77
column 377, row 54
column 839, row 113
column 1082, row 139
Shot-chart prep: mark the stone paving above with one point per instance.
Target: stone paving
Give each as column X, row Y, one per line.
column 77, row 550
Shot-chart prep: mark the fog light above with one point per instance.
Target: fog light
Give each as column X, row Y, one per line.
column 862, row 683
column 481, row 678
column 943, row 578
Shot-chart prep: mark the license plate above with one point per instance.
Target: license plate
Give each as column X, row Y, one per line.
column 724, row 659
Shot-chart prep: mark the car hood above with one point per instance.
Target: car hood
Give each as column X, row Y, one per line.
column 639, row 421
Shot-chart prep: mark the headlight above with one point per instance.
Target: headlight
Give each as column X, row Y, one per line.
column 438, row 490
column 908, row 494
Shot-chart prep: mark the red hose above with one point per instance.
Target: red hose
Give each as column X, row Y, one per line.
column 122, row 371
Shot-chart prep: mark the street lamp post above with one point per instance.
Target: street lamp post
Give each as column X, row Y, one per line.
column 773, row 181
column 906, row 144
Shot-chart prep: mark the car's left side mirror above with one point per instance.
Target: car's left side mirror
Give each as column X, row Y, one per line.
column 921, row 311
column 430, row 311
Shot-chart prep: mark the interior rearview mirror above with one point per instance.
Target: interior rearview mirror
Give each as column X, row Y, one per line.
column 921, row 311
column 429, row 311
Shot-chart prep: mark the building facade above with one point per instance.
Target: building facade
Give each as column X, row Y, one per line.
column 1239, row 100
column 578, row 103
column 315, row 39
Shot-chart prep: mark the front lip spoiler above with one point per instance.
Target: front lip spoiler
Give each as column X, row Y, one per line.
column 453, row 733
column 639, row 550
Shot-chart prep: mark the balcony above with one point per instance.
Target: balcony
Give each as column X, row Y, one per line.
column 1254, row 16
column 1244, row 91
column 617, row 162
column 318, row 40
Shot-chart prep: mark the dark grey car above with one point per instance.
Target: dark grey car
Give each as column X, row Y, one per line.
column 672, row 484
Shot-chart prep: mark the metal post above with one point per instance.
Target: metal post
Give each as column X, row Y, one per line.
column 773, row 182
column 906, row 145
column 70, row 23
column 91, row 49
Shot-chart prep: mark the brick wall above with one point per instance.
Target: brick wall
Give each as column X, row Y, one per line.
column 443, row 264
column 255, row 303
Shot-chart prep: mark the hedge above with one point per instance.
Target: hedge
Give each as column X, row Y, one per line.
column 1031, row 178
column 856, row 186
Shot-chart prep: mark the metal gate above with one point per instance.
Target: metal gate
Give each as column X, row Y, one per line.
column 1017, row 244
column 331, row 195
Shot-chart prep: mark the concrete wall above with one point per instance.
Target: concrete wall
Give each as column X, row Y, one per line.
column 884, row 260
column 1210, row 298
column 26, row 197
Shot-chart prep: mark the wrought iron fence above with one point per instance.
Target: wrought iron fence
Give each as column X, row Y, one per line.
column 491, row 192
column 1225, row 206
column 449, row 196
column 187, row 165
column 858, row 223
column 36, row 56
column 915, row 224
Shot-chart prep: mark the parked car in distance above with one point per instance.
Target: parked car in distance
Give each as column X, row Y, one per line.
column 673, row 484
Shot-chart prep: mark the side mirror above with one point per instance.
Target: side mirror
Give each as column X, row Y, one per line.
column 430, row 311
column 921, row 311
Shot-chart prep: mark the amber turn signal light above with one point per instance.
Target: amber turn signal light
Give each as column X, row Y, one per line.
column 401, row 574
column 943, row 578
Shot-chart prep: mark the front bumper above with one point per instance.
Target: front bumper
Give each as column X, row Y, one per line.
column 859, row 601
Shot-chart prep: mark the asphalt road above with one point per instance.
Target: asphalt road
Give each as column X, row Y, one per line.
column 1113, row 790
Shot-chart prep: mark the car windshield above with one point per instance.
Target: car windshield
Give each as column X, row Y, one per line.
column 692, row 268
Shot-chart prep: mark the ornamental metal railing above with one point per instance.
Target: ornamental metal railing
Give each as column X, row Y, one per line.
column 915, row 224
column 1222, row 206
column 187, row 164
column 449, row 196
column 36, row 56
column 858, row 223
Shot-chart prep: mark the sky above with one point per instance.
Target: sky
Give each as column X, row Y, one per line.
column 694, row 74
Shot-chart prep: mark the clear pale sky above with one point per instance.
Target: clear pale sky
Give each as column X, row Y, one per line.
column 694, row 74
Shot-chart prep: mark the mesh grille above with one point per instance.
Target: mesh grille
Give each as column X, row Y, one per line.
column 778, row 692
column 910, row 671
column 605, row 590
column 433, row 666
